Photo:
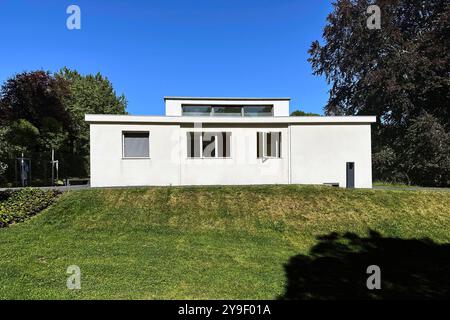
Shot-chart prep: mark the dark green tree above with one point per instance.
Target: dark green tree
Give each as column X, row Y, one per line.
column 22, row 136
column 426, row 150
column 398, row 72
column 90, row 94
column 3, row 151
column 30, row 101
column 40, row 111
column 300, row 113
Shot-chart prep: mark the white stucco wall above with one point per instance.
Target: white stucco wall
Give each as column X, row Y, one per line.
column 311, row 153
column 169, row 165
column 319, row 153
column 108, row 168
column 243, row 167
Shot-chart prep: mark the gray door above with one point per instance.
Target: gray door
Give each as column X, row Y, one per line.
column 350, row 174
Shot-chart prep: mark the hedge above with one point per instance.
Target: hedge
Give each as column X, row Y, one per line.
column 18, row 205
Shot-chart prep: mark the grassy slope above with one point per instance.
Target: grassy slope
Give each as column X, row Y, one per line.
column 219, row 242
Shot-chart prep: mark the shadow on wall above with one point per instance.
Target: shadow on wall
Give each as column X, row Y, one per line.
column 336, row 269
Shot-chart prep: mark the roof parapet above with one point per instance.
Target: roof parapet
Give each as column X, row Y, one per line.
column 226, row 98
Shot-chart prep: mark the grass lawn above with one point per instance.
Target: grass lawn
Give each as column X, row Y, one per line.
column 390, row 184
column 197, row 242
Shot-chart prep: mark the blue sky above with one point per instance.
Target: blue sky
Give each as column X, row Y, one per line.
column 149, row 49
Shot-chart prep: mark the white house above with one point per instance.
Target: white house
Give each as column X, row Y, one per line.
column 224, row 141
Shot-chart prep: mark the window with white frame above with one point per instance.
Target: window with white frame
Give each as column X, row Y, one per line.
column 136, row 144
column 208, row 144
column 268, row 144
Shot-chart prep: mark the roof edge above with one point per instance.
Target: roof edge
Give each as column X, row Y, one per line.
column 227, row 98
column 103, row 118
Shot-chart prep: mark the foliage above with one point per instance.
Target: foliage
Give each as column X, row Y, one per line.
column 90, row 94
column 31, row 109
column 422, row 155
column 3, row 167
column 23, row 135
column 398, row 72
column 226, row 242
column 33, row 96
column 3, row 151
column 52, row 134
column 384, row 162
column 18, row 205
column 426, row 152
column 40, row 111
column 300, row 113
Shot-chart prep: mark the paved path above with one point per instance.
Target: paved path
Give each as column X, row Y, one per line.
column 79, row 187
column 60, row 188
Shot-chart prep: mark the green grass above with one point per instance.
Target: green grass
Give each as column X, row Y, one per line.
column 197, row 242
column 391, row 184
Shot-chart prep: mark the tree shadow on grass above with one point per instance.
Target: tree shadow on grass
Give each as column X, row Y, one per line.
column 336, row 269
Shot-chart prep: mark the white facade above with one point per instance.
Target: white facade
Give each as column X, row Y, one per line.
column 311, row 150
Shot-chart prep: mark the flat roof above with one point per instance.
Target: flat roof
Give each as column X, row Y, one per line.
column 225, row 98
column 110, row 118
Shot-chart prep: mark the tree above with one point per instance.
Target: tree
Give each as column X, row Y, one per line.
column 52, row 134
column 300, row 113
column 398, row 72
column 426, row 151
column 88, row 94
column 29, row 102
column 22, row 135
column 3, row 151
column 40, row 111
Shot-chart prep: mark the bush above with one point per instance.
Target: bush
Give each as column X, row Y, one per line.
column 18, row 205
column 4, row 195
column 426, row 152
column 420, row 156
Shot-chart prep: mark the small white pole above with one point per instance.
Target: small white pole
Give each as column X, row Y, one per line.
column 53, row 162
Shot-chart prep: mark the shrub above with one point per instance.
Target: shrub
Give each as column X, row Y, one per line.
column 18, row 205
column 426, row 152
column 4, row 195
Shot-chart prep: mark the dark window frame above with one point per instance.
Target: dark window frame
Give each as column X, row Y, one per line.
column 131, row 132
column 211, row 110
column 195, row 150
column 261, row 145
column 206, row 106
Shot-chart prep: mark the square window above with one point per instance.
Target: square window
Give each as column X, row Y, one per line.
column 136, row 145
